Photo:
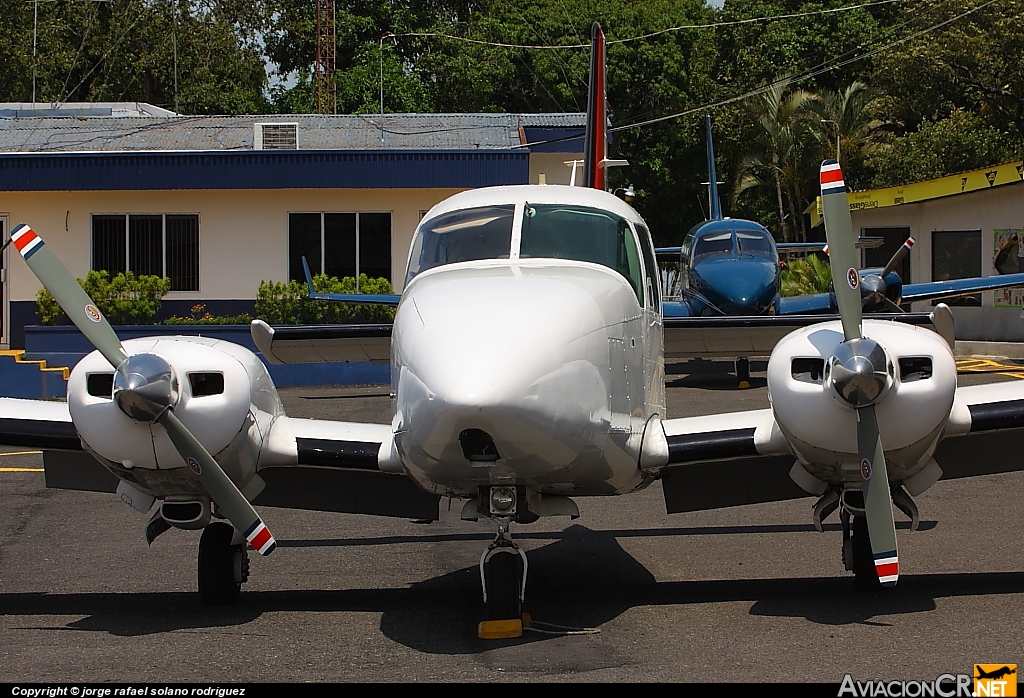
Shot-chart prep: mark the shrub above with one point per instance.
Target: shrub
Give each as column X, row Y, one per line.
column 280, row 303
column 806, row 276
column 208, row 319
column 123, row 299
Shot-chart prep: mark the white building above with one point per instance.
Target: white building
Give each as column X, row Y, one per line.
column 219, row 203
column 966, row 225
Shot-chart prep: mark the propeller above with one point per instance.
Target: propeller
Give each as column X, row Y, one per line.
column 873, row 286
column 145, row 386
column 860, row 373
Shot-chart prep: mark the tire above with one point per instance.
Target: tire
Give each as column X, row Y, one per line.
column 217, row 585
column 504, row 574
column 863, row 560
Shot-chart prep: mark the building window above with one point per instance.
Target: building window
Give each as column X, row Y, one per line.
column 340, row 244
column 956, row 254
column 153, row 244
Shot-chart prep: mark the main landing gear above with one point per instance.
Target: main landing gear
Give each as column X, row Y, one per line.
column 223, row 564
column 742, row 373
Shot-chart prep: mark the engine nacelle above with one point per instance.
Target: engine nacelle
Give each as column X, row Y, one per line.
column 915, row 382
column 220, row 391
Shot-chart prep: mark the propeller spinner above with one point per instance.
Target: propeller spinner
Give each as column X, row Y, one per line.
column 861, row 373
column 145, row 387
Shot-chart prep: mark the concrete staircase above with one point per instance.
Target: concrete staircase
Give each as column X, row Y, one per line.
column 32, row 379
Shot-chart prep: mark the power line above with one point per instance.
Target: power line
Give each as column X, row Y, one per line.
column 822, row 68
column 641, row 37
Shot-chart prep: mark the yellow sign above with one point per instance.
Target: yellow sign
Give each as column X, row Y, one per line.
column 984, row 178
column 995, row 680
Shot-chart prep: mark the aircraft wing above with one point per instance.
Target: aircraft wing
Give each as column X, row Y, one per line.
column 37, row 424
column 728, row 336
column 726, row 460
column 986, row 419
column 317, row 343
column 934, row 290
column 741, row 458
column 337, row 465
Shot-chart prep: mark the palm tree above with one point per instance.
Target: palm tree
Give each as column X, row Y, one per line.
column 776, row 156
column 847, row 118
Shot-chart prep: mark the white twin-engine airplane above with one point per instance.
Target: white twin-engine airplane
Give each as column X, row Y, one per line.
column 527, row 368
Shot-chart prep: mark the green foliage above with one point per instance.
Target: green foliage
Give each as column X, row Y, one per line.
column 124, row 51
column 199, row 316
column 966, row 69
column 125, row 299
column 280, row 303
column 806, row 276
column 957, row 144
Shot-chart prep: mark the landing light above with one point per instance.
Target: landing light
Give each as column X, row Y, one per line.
column 503, row 500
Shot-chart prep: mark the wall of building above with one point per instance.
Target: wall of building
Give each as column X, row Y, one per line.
column 243, row 235
column 986, row 210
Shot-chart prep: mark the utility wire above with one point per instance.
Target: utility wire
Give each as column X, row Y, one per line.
column 713, row 25
column 812, row 72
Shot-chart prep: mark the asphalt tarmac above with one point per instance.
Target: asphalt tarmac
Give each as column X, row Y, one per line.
column 749, row 593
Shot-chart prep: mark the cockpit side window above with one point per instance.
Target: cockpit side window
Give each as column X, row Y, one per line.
column 651, row 265
column 755, row 242
column 462, row 236
column 713, row 244
column 585, row 234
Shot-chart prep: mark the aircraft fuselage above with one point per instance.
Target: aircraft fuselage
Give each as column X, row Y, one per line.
column 528, row 368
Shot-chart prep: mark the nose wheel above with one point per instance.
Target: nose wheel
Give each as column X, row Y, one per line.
column 223, row 565
column 857, row 555
column 503, row 568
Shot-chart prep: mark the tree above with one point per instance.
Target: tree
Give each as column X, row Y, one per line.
column 947, row 146
column 124, row 51
column 776, row 158
column 972, row 64
column 847, row 116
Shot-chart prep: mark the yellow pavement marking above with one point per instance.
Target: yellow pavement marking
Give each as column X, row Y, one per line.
column 989, row 366
column 21, row 470
column 21, row 453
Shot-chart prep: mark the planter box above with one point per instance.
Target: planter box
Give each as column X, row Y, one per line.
column 64, row 345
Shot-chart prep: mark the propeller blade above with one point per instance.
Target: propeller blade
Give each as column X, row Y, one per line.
column 897, row 258
column 218, row 485
column 877, row 500
column 841, row 250
column 892, row 306
column 56, row 279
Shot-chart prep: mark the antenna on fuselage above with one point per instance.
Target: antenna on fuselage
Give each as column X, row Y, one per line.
column 713, row 200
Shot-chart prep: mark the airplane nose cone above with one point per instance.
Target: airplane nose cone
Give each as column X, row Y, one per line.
column 859, row 372
column 738, row 286
column 145, row 386
column 520, row 354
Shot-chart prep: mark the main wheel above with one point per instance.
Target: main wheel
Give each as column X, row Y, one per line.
column 863, row 560
column 219, row 582
column 504, row 575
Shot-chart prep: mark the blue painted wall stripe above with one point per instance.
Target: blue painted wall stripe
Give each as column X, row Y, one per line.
column 263, row 169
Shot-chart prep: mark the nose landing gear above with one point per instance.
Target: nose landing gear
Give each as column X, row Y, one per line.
column 503, row 568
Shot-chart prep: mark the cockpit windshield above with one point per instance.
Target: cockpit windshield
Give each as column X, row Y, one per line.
column 755, row 242
column 713, row 244
column 462, row 236
column 584, row 234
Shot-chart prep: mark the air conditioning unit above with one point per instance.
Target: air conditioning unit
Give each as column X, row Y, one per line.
column 276, row 136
